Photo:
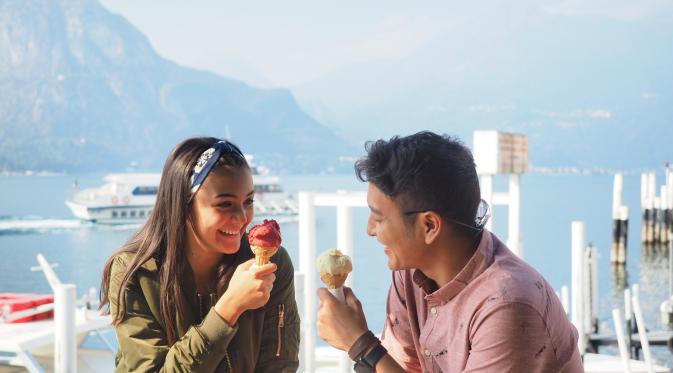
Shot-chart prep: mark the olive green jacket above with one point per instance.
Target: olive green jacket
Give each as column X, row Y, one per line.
column 263, row 340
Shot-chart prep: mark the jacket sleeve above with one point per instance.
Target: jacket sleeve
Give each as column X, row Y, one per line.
column 142, row 341
column 279, row 349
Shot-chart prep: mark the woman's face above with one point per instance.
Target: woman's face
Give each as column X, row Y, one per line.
column 221, row 210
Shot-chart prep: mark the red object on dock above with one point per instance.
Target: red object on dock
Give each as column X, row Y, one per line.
column 13, row 302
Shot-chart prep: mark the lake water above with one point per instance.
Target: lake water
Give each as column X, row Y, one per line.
column 548, row 205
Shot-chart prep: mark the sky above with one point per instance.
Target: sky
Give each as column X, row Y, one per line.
column 292, row 43
column 565, row 72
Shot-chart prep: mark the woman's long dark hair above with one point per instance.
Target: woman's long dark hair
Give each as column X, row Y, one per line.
column 163, row 237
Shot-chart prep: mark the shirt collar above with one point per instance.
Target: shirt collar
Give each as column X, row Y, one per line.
column 480, row 261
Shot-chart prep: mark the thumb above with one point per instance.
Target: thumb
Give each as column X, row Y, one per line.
column 246, row 265
column 325, row 295
column 351, row 300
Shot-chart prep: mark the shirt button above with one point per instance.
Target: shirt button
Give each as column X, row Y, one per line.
column 433, row 310
column 427, row 353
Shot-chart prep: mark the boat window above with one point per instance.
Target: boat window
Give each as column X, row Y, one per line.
column 133, row 213
column 123, row 214
column 145, row 191
column 114, row 213
column 267, row 188
column 141, row 213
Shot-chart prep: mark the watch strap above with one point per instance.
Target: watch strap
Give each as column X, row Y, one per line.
column 366, row 363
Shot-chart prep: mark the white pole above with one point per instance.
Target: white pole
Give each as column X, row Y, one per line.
column 627, row 304
column 577, row 229
column 565, row 299
column 299, row 296
column 617, row 194
column 345, row 244
column 644, row 343
column 619, row 330
column 594, row 286
column 587, row 301
column 52, row 278
column 514, row 234
column 487, row 195
column 307, row 267
column 65, row 345
column 623, row 234
column 643, row 190
column 669, row 188
column 651, row 185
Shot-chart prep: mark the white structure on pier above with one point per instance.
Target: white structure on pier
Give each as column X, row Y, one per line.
column 502, row 153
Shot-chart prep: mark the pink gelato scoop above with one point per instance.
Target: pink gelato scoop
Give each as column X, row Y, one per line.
column 266, row 234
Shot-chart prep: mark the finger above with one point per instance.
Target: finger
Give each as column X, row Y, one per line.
column 325, row 296
column 267, row 285
column 266, row 269
column 246, row 265
column 351, row 300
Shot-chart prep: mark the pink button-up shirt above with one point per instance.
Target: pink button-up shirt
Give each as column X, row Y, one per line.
column 497, row 315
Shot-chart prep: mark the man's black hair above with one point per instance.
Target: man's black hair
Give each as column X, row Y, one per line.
column 424, row 171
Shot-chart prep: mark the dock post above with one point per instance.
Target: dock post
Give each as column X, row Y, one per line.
column 622, row 243
column 656, row 221
column 646, row 206
column 65, row 344
column 663, row 221
column 345, row 244
column 651, row 194
column 617, row 197
column 565, row 299
column 617, row 194
column 628, row 316
column 669, row 198
column 307, row 244
column 514, row 218
column 619, row 331
column 593, row 278
column 642, row 332
column 577, row 289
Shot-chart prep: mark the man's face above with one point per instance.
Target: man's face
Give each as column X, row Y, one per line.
column 386, row 223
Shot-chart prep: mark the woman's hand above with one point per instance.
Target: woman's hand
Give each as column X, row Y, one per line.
column 249, row 289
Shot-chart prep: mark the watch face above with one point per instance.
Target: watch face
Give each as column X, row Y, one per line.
column 362, row 367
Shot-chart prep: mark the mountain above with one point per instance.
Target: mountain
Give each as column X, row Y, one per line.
column 81, row 89
column 588, row 91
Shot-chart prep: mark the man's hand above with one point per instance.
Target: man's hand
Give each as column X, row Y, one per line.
column 340, row 324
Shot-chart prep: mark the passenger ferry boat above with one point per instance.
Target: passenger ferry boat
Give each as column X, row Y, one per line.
column 129, row 198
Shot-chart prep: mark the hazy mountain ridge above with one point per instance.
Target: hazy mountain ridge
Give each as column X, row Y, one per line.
column 82, row 89
column 589, row 92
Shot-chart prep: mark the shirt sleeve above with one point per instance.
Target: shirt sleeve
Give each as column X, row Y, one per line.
column 397, row 335
column 511, row 337
column 279, row 349
column 143, row 346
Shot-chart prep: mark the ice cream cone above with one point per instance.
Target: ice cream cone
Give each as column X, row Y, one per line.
column 264, row 241
column 263, row 254
column 333, row 281
column 334, row 268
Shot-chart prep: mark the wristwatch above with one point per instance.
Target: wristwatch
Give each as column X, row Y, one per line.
column 367, row 362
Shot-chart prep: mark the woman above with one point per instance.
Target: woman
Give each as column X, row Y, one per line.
column 182, row 291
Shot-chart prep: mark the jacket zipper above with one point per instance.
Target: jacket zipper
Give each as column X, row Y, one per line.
column 229, row 367
column 281, row 324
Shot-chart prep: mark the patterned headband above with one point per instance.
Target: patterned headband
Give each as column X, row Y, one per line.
column 208, row 159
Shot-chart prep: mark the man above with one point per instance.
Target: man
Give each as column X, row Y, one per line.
column 459, row 299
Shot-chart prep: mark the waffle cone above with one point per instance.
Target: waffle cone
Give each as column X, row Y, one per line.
column 263, row 254
column 333, row 281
